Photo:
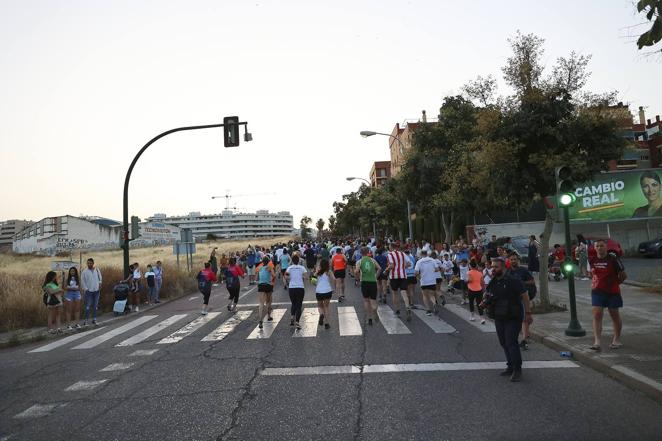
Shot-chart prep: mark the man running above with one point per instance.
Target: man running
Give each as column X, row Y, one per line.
column 411, row 277
column 284, row 264
column 427, row 270
column 608, row 274
column 339, row 266
column 367, row 269
column 382, row 278
column 397, row 265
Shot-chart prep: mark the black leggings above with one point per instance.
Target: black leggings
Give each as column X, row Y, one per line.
column 296, row 296
column 476, row 296
column 234, row 294
column 206, row 295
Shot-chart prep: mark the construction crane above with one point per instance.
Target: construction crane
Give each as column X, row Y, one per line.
column 228, row 196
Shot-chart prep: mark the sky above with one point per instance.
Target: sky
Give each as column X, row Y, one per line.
column 85, row 84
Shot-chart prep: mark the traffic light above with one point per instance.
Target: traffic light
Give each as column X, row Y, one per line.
column 565, row 186
column 231, row 131
column 135, row 227
column 568, row 267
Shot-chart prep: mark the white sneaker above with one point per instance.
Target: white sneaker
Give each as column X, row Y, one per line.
column 472, row 319
column 136, row 309
column 203, row 312
column 482, row 321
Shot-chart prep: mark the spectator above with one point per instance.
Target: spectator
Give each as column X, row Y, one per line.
column 534, row 262
column 150, row 278
column 53, row 302
column 91, row 284
column 72, row 299
column 158, row 272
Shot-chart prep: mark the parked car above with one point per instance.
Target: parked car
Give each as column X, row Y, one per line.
column 520, row 244
column 652, row 248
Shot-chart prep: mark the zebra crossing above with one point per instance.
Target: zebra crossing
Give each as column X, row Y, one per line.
column 346, row 324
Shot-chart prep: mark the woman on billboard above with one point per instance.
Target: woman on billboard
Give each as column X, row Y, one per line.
column 650, row 187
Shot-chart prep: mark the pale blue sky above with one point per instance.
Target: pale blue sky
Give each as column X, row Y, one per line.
column 86, row 83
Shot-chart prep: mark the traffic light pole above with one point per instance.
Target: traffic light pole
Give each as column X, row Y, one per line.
column 125, row 218
column 574, row 328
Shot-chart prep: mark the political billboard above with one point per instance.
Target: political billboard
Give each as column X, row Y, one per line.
column 633, row 194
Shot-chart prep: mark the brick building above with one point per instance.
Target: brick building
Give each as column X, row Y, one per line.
column 380, row 172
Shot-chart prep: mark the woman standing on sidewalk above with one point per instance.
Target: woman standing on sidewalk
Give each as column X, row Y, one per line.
column 294, row 279
column 266, row 278
column 53, row 301
column 324, row 291
column 72, row 299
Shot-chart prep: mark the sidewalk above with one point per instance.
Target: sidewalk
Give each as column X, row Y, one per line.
column 638, row 363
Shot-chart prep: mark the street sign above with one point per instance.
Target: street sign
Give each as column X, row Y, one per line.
column 186, row 235
column 183, row 248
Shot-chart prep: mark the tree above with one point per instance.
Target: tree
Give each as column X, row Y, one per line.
column 481, row 90
column 332, row 224
column 303, row 225
column 653, row 10
column 523, row 69
column 320, row 227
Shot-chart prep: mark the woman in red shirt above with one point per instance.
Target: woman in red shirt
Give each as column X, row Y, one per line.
column 231, row 275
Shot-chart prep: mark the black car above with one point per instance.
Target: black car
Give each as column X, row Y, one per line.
column 652, row 248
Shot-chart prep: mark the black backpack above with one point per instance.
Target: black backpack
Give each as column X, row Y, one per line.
column 231, row 281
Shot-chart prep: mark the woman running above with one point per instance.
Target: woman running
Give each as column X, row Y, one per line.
column 72, row 299
column 265, row 286
column 367, row 269
column 475, row 289
column 53, row 301
column 324, row 291
column 231, row 276
column 294, row 278
column 339, row 262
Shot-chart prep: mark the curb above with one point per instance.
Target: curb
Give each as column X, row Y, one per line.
column 32, row 336
column 639, row 284
column 622, row 374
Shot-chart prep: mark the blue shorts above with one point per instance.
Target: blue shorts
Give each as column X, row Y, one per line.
column 71, row 296
column 603, row 300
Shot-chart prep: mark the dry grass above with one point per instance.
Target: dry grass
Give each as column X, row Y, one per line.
column 21, row 277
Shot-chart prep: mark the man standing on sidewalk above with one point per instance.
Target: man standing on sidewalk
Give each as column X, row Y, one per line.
column 91, row 285
column 608, row 274
column 509, row 305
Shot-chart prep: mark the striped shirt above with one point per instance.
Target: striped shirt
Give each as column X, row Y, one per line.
column 397, row 261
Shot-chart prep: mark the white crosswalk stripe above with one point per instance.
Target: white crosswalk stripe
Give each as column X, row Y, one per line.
column 437, row 325
column 269, row 327
column 115, row 332
column 228, row 326
column 309, row 323
column 189, row 329
column 390, row 321
column 65, row 341
column 85, row 385
column 348, row 321
column 144, row 335
column 464, row 315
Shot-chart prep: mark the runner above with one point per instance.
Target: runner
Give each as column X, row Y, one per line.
column 368, row 269
column 284, row 264
column 250, row 265
column 206, row 278
column 339, row 264
column 232, row 274
column 382, row 278
column 397, row 264
column 356, row 257
column 265, row 287
column 439, row 276
column 324, row 291
column 427, row 270
column 475, row 289
column 447, row 267
column 294, row 275
column 411, row 277
column 523, row 275
column 464, row 272
column 608, row 274
column 311, row 258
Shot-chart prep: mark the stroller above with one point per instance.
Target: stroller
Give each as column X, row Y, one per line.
column 554, row 273
column 121, row 291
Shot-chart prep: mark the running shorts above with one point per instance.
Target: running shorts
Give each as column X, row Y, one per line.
column 369, row 290
column 411, row 280
column 339, row 274
column 399, row 284
column 429, row 287
column 265, row 287
column 604, row 300
column 323, row 295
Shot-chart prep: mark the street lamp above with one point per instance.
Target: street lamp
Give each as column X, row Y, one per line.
column 367, row 133
column 374, row 229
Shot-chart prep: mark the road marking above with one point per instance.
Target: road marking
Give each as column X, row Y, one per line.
column 151, row 331
column 143, row 352
column 309, row 323
column 189, row 329
column 390, row 321
column 269, row 327
column 420, row 367
column 117, row 367
column 435, row 323
column 39, row 410
column 228, row 326
column 248, row 292
column 115, row 332
column 348, row 321
column 64, row 341
column 464, row 315
column 637, row 376
column 193, row 298
column 306, row 302
column 85, row 385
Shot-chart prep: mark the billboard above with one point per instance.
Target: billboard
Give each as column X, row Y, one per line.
column 633, row 194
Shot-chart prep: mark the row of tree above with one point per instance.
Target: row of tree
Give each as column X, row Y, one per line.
column 492, row 152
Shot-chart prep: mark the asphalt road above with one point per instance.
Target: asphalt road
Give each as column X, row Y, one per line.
column 642, row 269
column 418, row 385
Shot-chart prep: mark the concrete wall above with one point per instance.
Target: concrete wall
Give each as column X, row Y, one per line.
column 629, row 233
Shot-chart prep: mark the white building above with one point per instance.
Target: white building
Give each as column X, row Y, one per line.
column 230, row 225
column 59, row 234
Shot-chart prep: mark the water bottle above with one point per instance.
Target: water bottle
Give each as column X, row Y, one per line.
column 566, row 354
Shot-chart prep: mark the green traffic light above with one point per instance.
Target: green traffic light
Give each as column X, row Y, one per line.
column 568, row 267
column 567, row 199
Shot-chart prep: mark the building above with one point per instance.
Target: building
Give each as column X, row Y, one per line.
column 380, row 173
column 231, row 225
column 60, row 234
column 8, row 229
column 399, row 143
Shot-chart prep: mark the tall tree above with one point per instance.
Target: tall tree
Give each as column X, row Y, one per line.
column 332, row 224
column 320, row 227
column 305, row 229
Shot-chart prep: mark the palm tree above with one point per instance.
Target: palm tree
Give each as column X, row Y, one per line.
column 320, row 227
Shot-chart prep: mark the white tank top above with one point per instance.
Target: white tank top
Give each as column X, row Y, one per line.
column 323, row 284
